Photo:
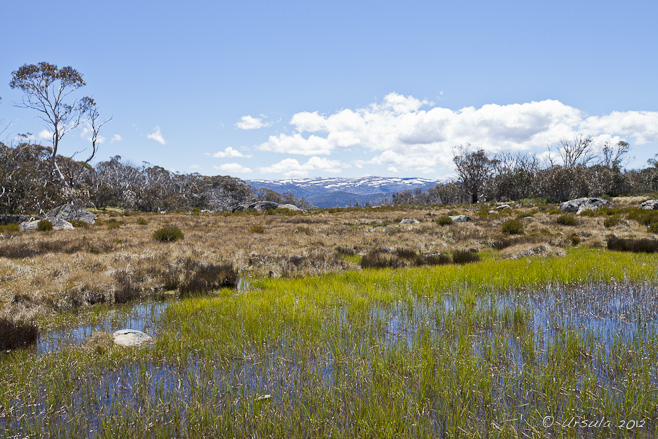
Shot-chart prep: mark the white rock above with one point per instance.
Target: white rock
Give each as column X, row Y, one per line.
column 58, row 224
column 650, row 205
column 409, row 221
column 130, row 337
column 460, row 218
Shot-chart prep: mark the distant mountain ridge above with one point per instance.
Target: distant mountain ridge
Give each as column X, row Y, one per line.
column 341, row 192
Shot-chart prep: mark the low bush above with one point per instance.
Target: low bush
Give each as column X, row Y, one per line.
column 567, row 220
column 5, row 228
column 209, row 277
column 464, row 256
column 168, row 234
column 611, row 221
column 16, row 334
column 444, row 221
column 636, row 245
column 44, row 225
column 256, row 229
column 141, row 221
column 512, row 227
column 79, row 224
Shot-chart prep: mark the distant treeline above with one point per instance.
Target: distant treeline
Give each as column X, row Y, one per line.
column 573, row 171
column 30, row 183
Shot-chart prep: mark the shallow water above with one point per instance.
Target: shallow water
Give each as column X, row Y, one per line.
column 607, row 315
column 141, row 316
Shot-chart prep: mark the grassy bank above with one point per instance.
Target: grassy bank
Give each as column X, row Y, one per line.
column 491, row 348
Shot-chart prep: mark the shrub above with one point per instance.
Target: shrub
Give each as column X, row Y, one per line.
column 16, row 334
column 9, row 228
column 141, row 221
column 653, row 228
column 256, row 229
column 464, row 256
column 410, row 256
column 79, row 224
column 636, row 245
column 168, row 234
column 444, row 221
column 209, row 277
column 567, row 220
column 575, row 239
column 512, row 227
column 611, row 221
column 44, row 225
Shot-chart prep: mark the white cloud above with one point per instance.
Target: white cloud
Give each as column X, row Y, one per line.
column 157, row 135
column 296, row 144
column 251, row 123
column 413, row 135
column 229, row 153
column 45, row 135
column 195, row 167
column 116, row 138
column 292, row 168
column 233, row 168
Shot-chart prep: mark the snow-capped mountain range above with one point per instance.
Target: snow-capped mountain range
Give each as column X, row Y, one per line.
column 342, row 192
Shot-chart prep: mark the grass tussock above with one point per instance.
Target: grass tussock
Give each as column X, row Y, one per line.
column 209, row 277
column 15, row 335
column 636, row 245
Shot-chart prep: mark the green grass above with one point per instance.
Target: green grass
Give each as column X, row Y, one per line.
column 440, row 351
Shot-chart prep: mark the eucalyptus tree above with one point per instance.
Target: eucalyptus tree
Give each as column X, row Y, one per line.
column 48, row 90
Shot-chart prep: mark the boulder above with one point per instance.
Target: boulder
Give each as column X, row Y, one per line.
column 493, row 212
column 580, row 205
column 262, row 206
column 409, row 221
column 503, row 207
column 130, row 337
column 649, row 205
column 58, row 224
column 69, row 212
column 461, row 218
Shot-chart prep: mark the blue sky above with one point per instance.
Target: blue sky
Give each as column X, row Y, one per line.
column 292, row 89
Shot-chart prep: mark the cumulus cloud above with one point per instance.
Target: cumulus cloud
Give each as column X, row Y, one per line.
column 251, row 123
column 413, row 135
column 228, row 153
column 157, row 136
column 233, row 168
column 45, row 135
column 116, row 138
column 292, row 168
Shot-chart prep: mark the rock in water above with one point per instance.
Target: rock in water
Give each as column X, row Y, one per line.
column 58, row 224
column 69, row 212
column 650, row 205
column 130, row 337
column 460, row 218
column 580, row 205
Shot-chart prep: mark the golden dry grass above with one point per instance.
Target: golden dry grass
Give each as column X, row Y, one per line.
column 42, row 272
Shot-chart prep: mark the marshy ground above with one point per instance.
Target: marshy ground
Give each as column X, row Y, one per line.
column 547, row 330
